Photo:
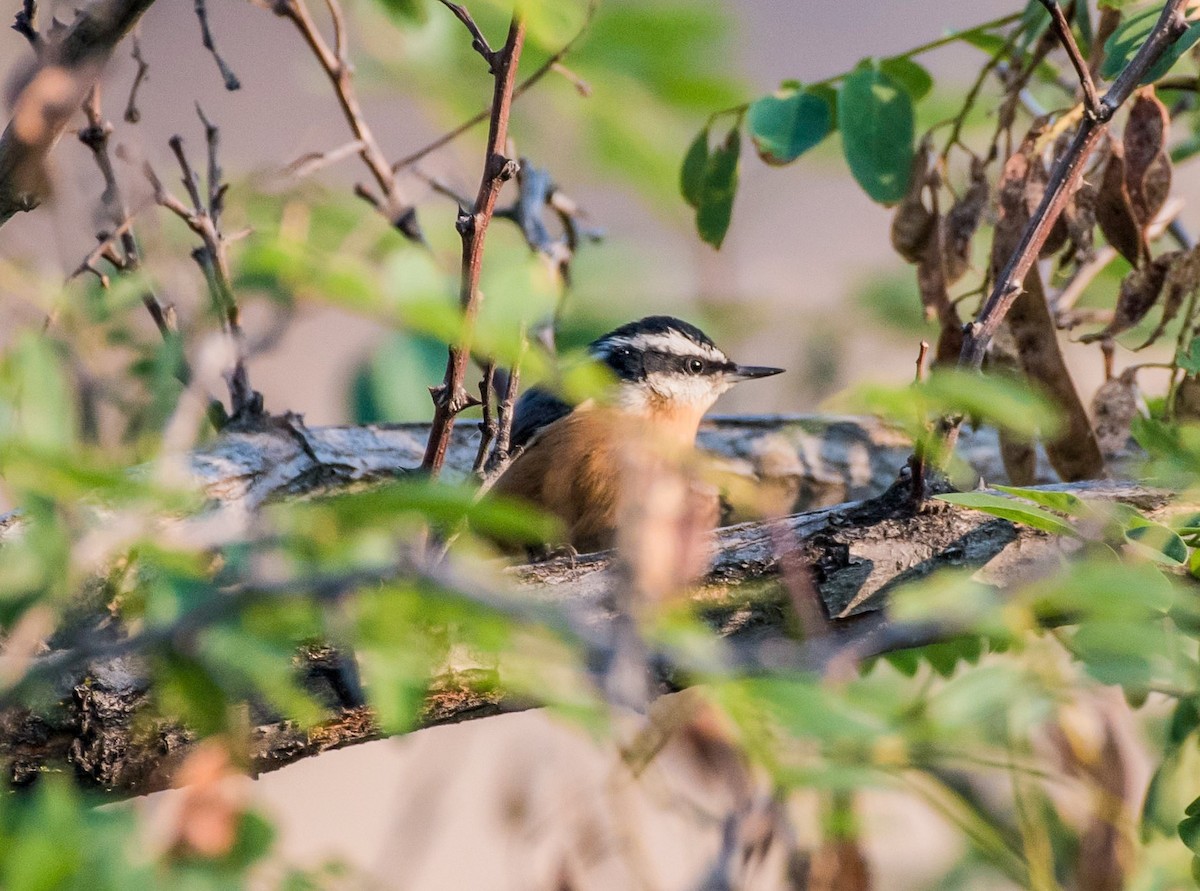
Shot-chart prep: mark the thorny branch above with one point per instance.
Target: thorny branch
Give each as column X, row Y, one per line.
column 204, row 219
column 132, row 115
column 1062, row 28
column 451, row 396
column 227, row 75
column 392, row 204
column 95, row 136
column 1063, row 180
column 68, row 68
column 479, row 43
column 551, row 64
column 26, row 24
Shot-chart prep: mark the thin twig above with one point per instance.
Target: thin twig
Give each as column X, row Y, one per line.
column 96, row 136
column 132, row 115
column 1091, row 99
column 393, row 204
column 227, row 75
column 25, row 24
column 311, row 162
column 502, row 454
column 451, row 396
column 204, row 220
column 487, row 425
column 518, row 91
column 1063, row 180
column 479, row 43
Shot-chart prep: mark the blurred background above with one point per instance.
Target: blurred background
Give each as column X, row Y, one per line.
column 806, row 280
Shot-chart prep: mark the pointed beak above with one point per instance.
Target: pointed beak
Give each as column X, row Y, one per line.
column 750, row 372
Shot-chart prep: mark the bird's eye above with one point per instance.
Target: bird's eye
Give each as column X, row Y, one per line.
column 694, row 366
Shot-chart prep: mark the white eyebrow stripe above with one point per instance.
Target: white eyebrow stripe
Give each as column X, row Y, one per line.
column 672, row 343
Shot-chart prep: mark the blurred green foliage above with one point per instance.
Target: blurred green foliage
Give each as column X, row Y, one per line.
column 221, row 622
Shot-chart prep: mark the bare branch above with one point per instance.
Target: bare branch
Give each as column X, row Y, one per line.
column 227, row 75
column 26, row 25
column 311, row 162
column 520, row 90
column 67, row 72
column 1091, row 99
column 451, row 396
column 478, row 41
column 132, row 115
column 393, row 204
column 212, row 257
column 96, row 136
column 1064, row 178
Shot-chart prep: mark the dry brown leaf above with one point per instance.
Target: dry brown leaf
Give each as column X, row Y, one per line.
column 839, row 865
column 963, row 220
column 1114, row 407
column 1090, row 746
column 950, row 339
column 931, row 275
column 1079, row 215
column 1186, row 406
column 1114, row 210
column 913, row 222
column 1140, row 290
column 1018, row 454
column 1074, row 453
column 211, row 805
column 1147, row 164
column 1183, row 279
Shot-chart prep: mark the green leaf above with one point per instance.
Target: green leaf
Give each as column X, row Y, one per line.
column 406, row 12
column 1189, row 831
column 1158, row 541
column 1063, row 502
column 875, row 115
column 785, row 127
column 720, row 187
column 911, row 75
column 1193, row 809
column 1010, row 509
column 1189, row 359
column 1124, row 43
column 695, row 164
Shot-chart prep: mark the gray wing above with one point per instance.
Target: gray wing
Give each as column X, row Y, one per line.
column 536, row 409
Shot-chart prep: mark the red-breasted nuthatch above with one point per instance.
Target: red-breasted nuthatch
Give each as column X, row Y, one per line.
column 571, row 461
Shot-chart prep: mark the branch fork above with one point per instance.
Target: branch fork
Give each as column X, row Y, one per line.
column 1067, row 169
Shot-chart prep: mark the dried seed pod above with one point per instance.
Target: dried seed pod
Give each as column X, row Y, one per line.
column 1139, row 292
column 1183, row 279
column 1115, row 405
column 1147, row 164
column 913, row 222
column 1080, row 218
column 1018, row 453
column 1115, row 213
column 962, row 222
column 1186, row 406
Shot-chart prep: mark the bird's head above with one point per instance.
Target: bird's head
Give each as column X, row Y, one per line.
column 666, row 367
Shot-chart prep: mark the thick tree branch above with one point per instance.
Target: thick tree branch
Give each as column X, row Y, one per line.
column 69, row 67
column 451, row 396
